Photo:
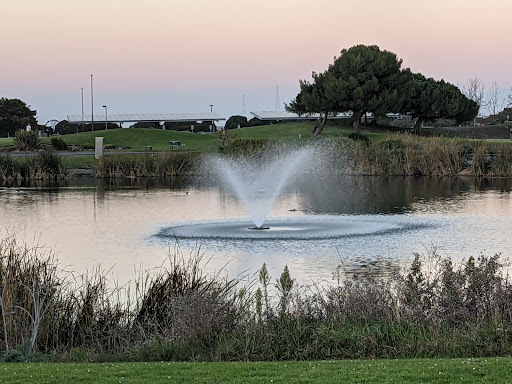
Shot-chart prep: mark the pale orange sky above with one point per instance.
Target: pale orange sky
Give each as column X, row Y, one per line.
column 182, row 55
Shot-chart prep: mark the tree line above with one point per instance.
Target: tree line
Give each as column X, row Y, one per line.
column 367, row 79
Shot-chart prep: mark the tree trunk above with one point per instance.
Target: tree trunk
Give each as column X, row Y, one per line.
column 319, row 126
column 356, row 116
column 417, row 125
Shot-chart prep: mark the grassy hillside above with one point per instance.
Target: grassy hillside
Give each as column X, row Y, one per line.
column 134, row 139
column 137, row 139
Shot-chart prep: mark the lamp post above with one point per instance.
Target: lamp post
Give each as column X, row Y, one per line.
column 211, row 110
column 82, row 111
column 106, row 117
column 92, row 107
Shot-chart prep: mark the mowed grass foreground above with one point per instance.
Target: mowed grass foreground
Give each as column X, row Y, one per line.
column 492, row 370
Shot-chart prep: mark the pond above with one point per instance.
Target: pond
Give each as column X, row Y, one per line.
column 317, row 224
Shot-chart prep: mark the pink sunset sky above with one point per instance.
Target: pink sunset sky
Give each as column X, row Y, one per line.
column 172, row 56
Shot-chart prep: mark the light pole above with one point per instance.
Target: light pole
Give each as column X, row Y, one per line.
column 92, row 107
column 211, row 110
column 82, row 111
column 106, row 117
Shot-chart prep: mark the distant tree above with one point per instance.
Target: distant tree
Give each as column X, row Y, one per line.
column 509, row 104
column 313, row 99
column 235, row 121
column 15, row 115
column 424, row 101
column 494, row 104
column 432, row 99
column 474, row 89
column 362, row 79
column 366, row 79
column 63, row 127
column 255, row 122
column 147, row 124
column 468, row 111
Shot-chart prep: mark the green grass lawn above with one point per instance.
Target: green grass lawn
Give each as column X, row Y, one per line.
column 5, row 141
column 481, row 370
column 136, row 139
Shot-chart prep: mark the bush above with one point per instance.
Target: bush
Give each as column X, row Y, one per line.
column 235, row 121
column 59, row 144
column 244, row 146
column 27, row 141
column 432, row 308
column 255, row 122
column 359, row 137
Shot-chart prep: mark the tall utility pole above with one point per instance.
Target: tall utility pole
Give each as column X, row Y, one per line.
column 82, row 111
column 106, row 117
column 213, row 124
column 243, row 105
column 92, row 107
column 278, row 106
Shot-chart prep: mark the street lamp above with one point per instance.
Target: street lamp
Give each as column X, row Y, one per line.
column 106, row 117
column 213, row 124
column 92, row 107
column 82, row 112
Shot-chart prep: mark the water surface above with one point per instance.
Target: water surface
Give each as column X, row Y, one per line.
column 317, row 224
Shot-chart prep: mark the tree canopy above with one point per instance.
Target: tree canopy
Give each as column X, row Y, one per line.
column 432, row 99
column 366, row 79
column 313, row 98
column 235, row 121
column 14, row 115
column 362, row 79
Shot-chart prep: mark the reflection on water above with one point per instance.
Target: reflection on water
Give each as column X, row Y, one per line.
column 114, row 222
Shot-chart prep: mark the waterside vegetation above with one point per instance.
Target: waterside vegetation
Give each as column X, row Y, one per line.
column 431, row 309
column 376, row 151
column 46, row 165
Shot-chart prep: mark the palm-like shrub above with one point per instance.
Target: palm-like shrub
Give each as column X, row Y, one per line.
column 27, row 141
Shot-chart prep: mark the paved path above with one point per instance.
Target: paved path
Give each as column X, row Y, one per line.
column 72, row 153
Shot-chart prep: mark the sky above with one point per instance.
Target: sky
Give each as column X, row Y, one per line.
column 177, row 56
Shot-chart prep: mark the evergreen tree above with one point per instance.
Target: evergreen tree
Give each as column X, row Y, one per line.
column 15, row 115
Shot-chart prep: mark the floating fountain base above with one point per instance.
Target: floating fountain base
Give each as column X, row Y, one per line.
column 258, row 228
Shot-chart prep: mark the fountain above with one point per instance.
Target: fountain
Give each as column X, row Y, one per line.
column 259, row 184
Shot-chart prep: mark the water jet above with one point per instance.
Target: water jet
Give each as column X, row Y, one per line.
column 258, row 182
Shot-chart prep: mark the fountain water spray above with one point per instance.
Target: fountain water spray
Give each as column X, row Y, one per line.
column 258, row 184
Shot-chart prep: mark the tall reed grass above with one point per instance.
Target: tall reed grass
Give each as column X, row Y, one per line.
column 45, row 165
column 432, row 308
column 403, row 154
column 147, row 164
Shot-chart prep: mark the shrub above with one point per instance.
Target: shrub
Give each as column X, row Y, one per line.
column 244, row 146
column 235, row 121
column 27, row 141
column 59, row 144
column 357, row 136
column 433, row 308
